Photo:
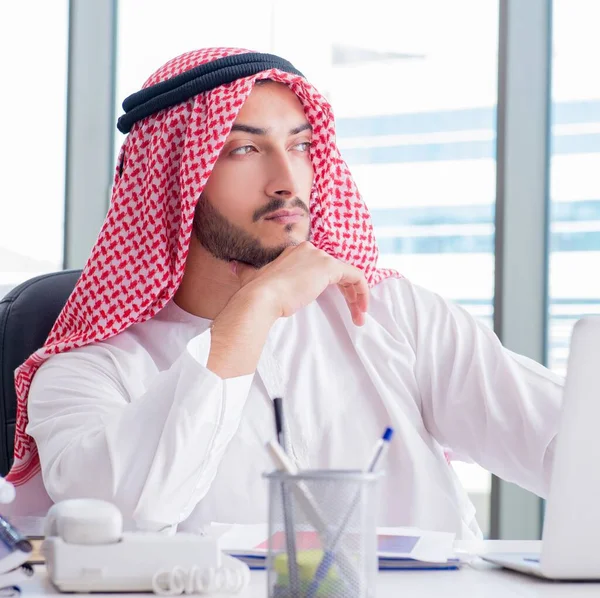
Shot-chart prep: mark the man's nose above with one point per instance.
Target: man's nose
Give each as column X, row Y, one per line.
column 281, row 180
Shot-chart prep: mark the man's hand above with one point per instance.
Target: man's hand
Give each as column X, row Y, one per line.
column 298, row 276
column 289, row 283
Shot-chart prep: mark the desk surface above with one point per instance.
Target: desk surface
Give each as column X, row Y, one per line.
column 478, row 580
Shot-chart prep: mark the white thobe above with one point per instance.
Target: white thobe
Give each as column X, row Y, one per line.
column 139, row 419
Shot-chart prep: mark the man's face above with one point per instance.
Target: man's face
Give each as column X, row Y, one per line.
column 255, row 203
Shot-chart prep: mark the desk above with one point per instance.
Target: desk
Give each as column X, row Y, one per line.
column 479, row 580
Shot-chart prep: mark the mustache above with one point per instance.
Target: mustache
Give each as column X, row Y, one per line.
column 275, row 204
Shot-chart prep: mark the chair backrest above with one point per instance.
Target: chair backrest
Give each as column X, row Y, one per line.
column 27, row 314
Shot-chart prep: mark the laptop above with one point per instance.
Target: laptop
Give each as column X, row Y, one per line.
column 571, row 534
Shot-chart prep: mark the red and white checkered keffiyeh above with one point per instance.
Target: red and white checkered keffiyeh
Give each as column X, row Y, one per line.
column 138, row 260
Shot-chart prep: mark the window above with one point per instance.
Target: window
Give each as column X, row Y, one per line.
column 416, row 122
column 574, row 184
column 415, row 108
column 34, row 65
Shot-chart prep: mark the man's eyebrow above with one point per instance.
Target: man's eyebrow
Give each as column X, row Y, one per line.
column 249, row 129
column 303, row 127
column 262, row 131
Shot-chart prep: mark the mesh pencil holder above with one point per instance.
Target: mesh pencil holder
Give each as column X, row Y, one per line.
column 322, row 534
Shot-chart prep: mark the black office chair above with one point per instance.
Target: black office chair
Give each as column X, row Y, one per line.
column 27, row 313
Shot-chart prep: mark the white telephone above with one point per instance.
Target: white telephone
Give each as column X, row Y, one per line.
column 86, row 550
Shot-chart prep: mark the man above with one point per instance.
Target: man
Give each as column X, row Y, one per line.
column 237, row 264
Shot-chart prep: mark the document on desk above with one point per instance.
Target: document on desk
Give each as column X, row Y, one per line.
column 398, row 547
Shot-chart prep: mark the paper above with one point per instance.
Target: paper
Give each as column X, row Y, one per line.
column 12, row 579
column 394, row 544
column 433, row 547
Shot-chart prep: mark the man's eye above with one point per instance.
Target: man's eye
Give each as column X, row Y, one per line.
column 304, row 146
column 245, row 149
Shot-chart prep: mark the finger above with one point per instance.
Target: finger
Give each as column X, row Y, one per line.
column 349, row 292
column 356, row 303
column 342, row 289
column 362, row 295
column 358, row 292
column 345, row 274
column 356, row 307
column 353, row 277
column 358, row 316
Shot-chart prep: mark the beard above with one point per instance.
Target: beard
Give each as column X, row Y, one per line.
column 227, row 241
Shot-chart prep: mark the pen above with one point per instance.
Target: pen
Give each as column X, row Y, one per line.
column 379, row 451
column 288, row 516
column 300, row 490
column 278, row 410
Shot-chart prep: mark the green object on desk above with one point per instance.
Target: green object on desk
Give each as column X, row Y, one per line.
column 326, row 589
column 308, row 561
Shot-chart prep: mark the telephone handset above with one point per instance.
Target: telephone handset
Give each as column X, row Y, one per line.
column 86, row 550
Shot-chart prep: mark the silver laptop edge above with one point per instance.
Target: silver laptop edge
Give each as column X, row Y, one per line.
column 572, row 520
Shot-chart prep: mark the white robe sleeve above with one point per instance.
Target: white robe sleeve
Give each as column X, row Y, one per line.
column 154, row 457
column 481, row 400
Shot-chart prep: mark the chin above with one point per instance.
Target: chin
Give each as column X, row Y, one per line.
column 291, row 241
column 294, row 236
column 288, row 236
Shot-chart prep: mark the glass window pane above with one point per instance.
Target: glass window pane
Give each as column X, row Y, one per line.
column 574, row 182
column 33, row 55
column 416, row 121
column 415, row 108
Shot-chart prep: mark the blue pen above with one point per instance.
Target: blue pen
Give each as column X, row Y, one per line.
column 380, row 448
column 328, row 558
